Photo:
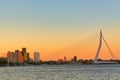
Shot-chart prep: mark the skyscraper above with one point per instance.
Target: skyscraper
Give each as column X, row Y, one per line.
column 36, row 57
column 16, row 56
column 25, row 55
column 21, row 58
column 10, row 56
column 24, row 50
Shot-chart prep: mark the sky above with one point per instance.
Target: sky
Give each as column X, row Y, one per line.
column 58, row 28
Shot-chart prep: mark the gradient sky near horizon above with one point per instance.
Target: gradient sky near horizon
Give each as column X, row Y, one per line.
column 58, row 28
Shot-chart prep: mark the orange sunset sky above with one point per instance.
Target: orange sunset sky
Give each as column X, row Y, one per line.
column 60, row 28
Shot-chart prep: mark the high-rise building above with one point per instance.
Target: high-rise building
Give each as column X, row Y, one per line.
column 24, row 50
column 36, row 57
column 10, row 56
column 25, row 55
column 16, row 56
column 21, row 58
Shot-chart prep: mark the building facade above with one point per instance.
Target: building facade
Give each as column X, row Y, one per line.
column 15, row 57
column 36, row 57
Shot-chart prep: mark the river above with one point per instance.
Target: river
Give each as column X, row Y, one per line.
column 61, row 72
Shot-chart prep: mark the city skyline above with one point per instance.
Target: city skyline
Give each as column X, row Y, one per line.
column 60, row 28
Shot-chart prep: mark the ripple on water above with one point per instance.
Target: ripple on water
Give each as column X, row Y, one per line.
column 61, row 72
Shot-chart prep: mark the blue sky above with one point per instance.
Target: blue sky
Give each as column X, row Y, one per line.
column 60, row 12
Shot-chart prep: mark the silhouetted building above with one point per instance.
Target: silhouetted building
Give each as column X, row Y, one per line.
column 65, row 59
column 36, row 57
column 25, row 55
column 24, row 50
column 75, row 58
column 60, row 60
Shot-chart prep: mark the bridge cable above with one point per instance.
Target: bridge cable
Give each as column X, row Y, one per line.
column 108, row 48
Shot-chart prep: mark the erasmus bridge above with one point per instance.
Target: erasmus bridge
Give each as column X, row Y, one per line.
column 102, row 39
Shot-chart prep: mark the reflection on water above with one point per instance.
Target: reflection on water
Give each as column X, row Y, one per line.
column 61, row 72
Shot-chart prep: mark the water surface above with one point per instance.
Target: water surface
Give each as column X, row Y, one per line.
column 61, row 72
